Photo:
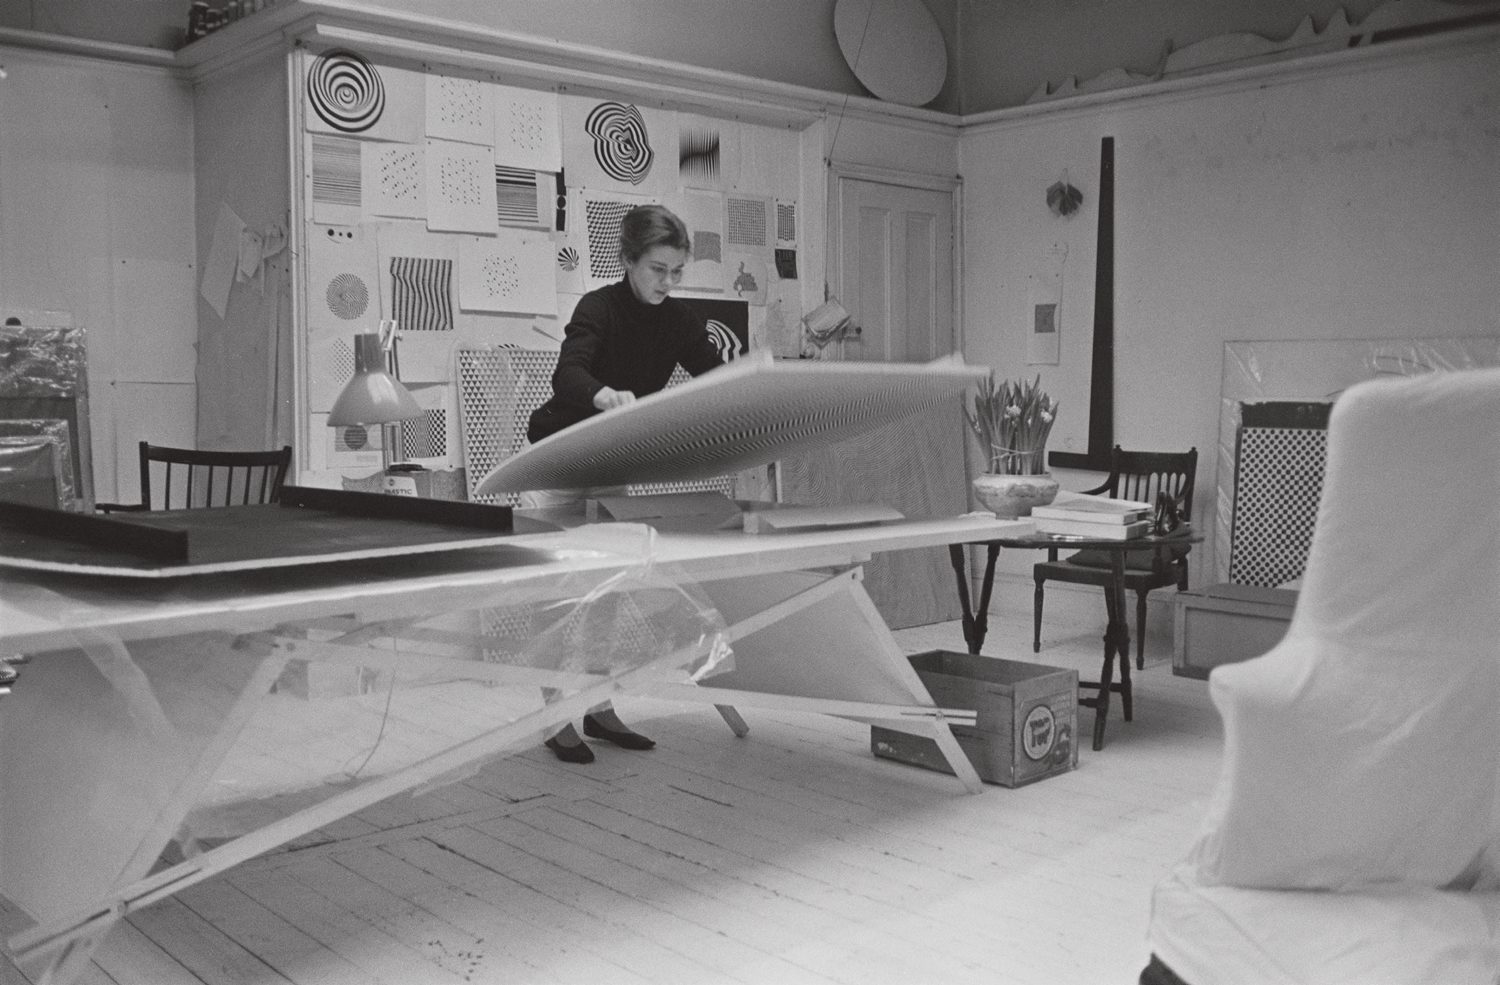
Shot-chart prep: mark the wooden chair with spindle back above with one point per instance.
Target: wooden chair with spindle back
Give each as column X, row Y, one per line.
column 1140, row 476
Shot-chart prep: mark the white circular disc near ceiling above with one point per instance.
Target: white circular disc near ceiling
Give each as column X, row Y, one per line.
column 893, row 47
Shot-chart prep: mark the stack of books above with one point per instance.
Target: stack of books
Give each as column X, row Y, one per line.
column 1099, row 517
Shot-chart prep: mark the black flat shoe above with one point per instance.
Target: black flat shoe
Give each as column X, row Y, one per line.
column 625, row 739
column 579, row 753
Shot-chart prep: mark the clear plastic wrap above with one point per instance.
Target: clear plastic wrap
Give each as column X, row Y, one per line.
column 44, row 377
column 34, row 462
column 1315, row 372
column 192, row 739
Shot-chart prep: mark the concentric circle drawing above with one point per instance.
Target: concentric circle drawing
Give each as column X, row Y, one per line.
column 724, row 340
column 348, row 297
column 345, row 91
column 620, row 143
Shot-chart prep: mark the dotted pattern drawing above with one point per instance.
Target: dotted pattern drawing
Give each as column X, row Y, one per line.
column 621, row 145
column 1278, row 484
column 345, row 91
column 427, row 436
column 748, row 220
column 497, row 391
column 348, row 296
column 502, row 275
column 335, row 171
column 459, row 104
column 459, row 182
column 526, row 125
column 786, row 222
column 698, row 154
column 602, row 217
column 400, row 174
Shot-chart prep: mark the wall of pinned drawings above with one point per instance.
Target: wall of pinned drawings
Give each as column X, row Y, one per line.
column 476, row 212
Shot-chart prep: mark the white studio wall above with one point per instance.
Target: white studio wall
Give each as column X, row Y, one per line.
column 1354, row 198
column 96, row 196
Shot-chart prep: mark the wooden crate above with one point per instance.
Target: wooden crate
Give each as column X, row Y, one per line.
column 1226, row 623
column 1027, row 724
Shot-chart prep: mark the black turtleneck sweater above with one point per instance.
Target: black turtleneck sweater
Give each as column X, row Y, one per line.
column 616, row 340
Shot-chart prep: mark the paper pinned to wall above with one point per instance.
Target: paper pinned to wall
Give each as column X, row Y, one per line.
column 394, row 180
column 703, row 214
column 343, row 279
column 746, row 277
column 335, row 177
column 602, row 213
column 507, row 272
column 223, row 257
column 747, row 221
column 528, row 129
column 460, row 188
column 330, row 365
column 708, row 152
column 460, row 109
column 427, row 439
column 348, row 94
column 1044, row 290
column 786, row 223
column 619, row 146
column 523, row 197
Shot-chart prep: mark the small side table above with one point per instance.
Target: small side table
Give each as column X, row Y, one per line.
column 1117, row 629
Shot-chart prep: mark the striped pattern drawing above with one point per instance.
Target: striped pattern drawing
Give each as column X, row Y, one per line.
column 516, row 196
column 698, row 154
column 335, row 171
column 621, row 145
column 421, row 293
column 786, row 222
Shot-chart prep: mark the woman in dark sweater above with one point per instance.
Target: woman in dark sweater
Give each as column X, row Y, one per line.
column 622, row 342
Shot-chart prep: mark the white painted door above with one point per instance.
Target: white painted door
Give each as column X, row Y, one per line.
column 893, row 269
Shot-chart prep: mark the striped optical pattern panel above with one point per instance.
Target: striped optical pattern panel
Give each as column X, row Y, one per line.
column 739, row 417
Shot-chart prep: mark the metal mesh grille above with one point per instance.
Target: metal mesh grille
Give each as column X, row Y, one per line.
column 1279, row 481
column 497, row 391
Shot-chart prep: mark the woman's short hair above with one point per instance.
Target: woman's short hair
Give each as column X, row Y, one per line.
column 646, row 226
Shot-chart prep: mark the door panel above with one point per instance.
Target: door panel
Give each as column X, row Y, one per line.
column 895, row 276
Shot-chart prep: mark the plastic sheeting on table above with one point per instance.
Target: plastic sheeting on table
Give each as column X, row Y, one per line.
column 259, row 726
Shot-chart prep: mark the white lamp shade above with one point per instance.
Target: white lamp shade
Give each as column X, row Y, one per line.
column 372, row 396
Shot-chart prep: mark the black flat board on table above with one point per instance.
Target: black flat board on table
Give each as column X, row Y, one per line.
column 308, row 526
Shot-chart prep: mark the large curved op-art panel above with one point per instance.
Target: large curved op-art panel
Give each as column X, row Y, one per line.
column 744, row 415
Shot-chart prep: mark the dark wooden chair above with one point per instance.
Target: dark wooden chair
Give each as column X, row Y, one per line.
column 190, row 479
column 1141, row 476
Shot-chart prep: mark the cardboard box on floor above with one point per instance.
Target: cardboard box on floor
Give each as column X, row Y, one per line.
column 1028, row 717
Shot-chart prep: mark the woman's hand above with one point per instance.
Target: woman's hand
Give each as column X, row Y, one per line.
column 609, row 398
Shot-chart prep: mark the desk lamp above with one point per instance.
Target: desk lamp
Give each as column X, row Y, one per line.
column 373, row 395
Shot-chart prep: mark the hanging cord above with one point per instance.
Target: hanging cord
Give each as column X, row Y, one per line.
column 853, row 69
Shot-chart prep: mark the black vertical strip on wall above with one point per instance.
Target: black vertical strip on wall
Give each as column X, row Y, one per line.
column 1102, row 370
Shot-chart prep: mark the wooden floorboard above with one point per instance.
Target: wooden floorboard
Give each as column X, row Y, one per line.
column 791, row 855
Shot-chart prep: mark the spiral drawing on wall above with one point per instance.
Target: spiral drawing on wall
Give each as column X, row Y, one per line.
column 620, row 143
column 345, row 91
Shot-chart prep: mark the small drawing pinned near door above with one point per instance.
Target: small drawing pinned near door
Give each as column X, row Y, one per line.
column 1042, row 344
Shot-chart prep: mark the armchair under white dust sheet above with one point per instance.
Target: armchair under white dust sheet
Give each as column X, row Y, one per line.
column 1354, row 836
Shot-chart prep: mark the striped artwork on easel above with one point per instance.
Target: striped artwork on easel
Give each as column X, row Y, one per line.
column 421, row 297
